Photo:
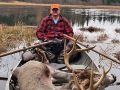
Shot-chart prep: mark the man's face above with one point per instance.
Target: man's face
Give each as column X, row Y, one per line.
column 55, row 11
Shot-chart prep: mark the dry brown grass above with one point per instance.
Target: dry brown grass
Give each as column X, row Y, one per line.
column 102, row 37
column 12, row 36
column 117, row 55
column 115, row 41
column 81, row 37
column 2, row 48
column 92, row 41
column 91, row 29
column 117, row 30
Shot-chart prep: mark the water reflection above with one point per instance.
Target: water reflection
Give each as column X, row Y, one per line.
column 85, row 15
column 33, row 15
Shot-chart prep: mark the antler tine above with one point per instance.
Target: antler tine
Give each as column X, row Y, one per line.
column 76, row 81
column 79, row 50
column 94, row 86
column 91, row 78
column 66, row 58
column 84, row 83
column 103, row 76
column 109, row 68
column 85, row 49
column 80, row 85
column 74, row 47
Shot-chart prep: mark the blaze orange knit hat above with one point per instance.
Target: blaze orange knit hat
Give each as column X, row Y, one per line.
column 55, row 6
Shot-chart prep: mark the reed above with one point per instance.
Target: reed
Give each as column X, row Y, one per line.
column 91, row 29
column 117, row 55
column 117, row 30
column 12, row 36
column 92, row 41
column 102, row 37
column 115, row 41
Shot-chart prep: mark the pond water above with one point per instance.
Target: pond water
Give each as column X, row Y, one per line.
column 106, row 19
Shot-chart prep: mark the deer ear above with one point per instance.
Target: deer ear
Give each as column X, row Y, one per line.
column 47, row 71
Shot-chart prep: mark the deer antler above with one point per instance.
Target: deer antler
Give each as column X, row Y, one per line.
column 66, row 60
column 67, row 55
column 76, row 81
column 94, row 86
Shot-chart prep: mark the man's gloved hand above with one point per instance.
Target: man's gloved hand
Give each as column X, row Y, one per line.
column 59, row 41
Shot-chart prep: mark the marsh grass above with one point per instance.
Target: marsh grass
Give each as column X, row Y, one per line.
column 92, row 41
column 102, row 37
column 117, row 30
column 91, row 29
column 12, row 36
column 115, row 41
column 117, row 55
column 106, row 50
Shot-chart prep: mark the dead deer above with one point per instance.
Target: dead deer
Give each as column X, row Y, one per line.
column 81, row 84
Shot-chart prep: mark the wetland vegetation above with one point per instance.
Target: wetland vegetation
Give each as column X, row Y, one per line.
column 13, row 36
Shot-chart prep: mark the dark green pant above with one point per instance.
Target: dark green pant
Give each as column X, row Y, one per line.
column 61, row 55
column 55, row 51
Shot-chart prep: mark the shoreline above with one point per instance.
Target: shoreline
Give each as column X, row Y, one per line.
column 17, row 3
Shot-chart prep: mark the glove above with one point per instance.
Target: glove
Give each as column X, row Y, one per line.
column 59, row 41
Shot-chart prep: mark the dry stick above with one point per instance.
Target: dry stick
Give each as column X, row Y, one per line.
column 34, row 46
column 114, row 60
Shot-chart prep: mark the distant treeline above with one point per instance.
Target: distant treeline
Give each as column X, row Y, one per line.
column 84, row 2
